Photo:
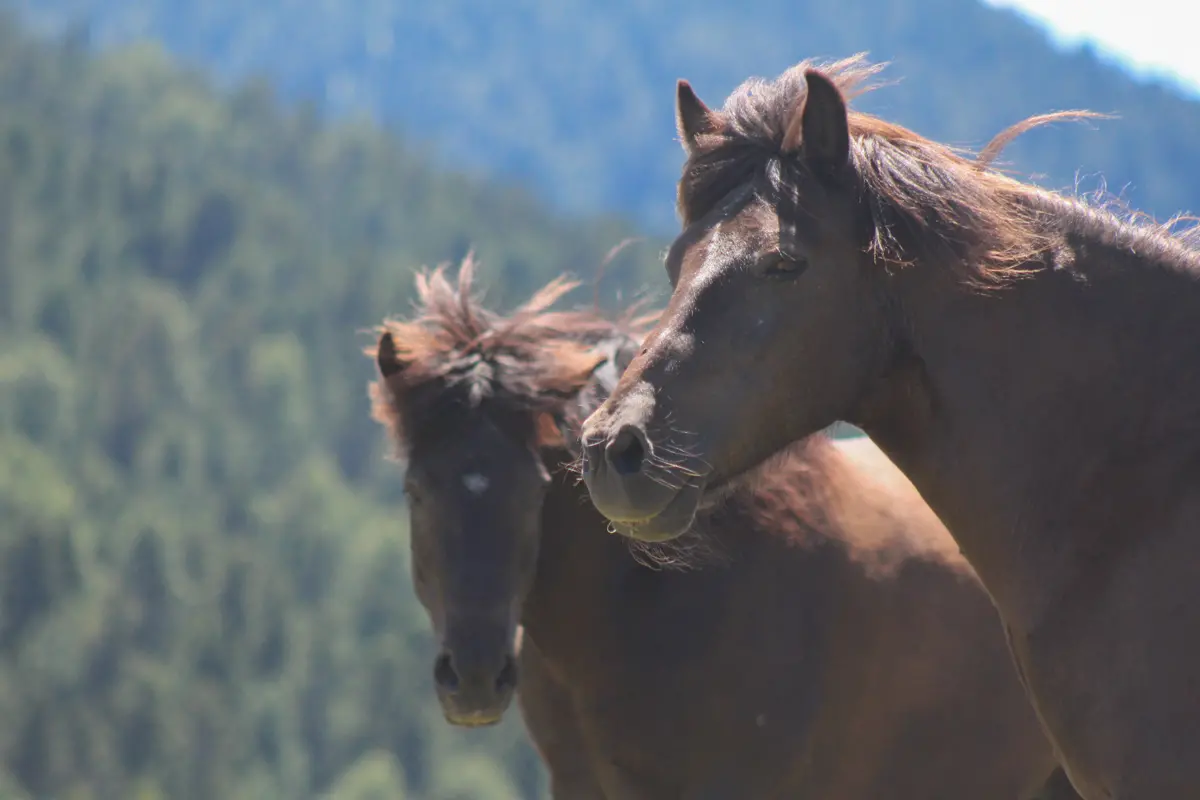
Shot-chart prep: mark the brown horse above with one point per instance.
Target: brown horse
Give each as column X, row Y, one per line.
column 1028, row 360
column 822, row 637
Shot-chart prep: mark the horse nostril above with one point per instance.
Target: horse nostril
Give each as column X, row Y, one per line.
column 506, row 681
column 443, row 673
column 626, row 451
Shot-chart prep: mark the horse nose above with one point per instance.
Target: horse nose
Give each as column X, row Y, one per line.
column 626, row 452
column 506, row 681
column 617, row 472
column 447, row 679
column 444, row 674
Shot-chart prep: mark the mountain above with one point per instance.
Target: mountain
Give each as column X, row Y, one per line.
column 575, row 98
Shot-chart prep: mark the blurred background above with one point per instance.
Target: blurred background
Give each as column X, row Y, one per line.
column 204, row 589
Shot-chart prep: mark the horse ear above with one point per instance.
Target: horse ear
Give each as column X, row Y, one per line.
column 692, row 118
column 387, row 358
column 820, row 129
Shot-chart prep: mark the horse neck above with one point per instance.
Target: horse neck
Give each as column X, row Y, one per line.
column 1022, row 409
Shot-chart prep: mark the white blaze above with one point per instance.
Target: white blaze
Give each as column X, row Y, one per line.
column 475, row 483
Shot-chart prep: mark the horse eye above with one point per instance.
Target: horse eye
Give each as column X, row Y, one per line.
column 780, row 267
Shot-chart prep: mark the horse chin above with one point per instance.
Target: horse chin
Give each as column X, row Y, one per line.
column 474, row 719
column 670, row 523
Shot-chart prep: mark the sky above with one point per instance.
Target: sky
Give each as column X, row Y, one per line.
column 1161, row 40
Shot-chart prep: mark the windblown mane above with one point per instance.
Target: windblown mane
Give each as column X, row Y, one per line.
column 530, row 359
column 926, row 200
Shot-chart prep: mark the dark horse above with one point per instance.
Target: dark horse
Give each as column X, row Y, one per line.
column 1028, row 360
column 819, row 635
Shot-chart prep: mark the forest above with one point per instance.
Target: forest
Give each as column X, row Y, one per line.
column 204, row 589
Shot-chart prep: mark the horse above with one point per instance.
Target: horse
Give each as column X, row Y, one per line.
column 818, row 635
column 1025, row 357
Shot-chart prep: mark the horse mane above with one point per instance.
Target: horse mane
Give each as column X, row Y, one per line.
column 531, row 359
column 926, row 200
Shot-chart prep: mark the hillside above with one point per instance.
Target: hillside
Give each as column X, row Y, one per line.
column 204, row 586
column 574, row 97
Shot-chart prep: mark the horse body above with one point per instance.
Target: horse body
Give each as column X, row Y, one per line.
column 816, row 634
column 856, row 658
column 1025, row 359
